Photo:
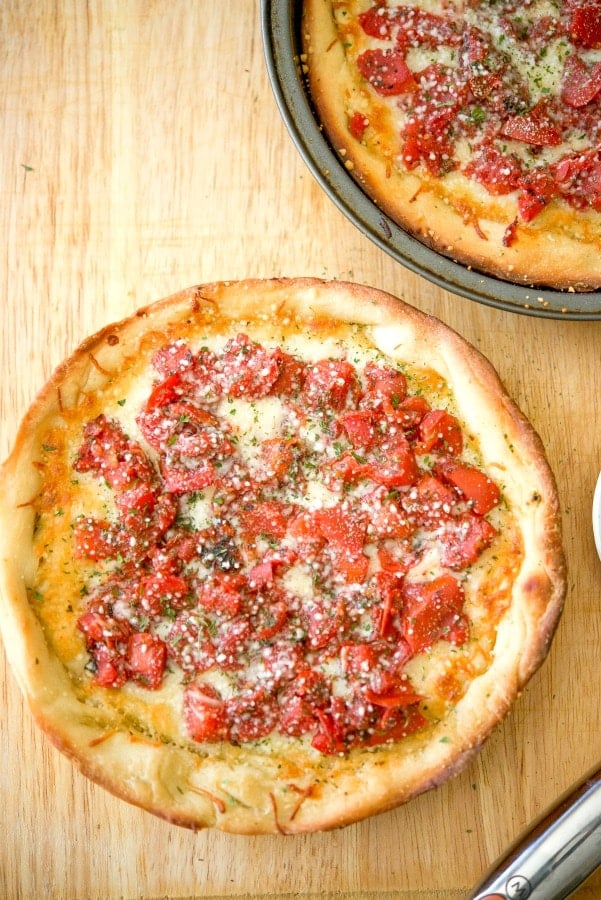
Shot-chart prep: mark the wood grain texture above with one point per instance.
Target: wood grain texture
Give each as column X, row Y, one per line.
column 142, row 153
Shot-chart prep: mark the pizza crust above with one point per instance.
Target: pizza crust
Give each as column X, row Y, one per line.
column 560, row 248
column 282, row 786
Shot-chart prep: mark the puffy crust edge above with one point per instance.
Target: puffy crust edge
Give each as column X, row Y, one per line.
column 454, row 216
column 177, row 784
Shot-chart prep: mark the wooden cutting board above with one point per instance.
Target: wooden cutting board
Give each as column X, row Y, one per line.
column 143, row 152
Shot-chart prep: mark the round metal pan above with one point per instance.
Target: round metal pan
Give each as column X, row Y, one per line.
column 280, row 25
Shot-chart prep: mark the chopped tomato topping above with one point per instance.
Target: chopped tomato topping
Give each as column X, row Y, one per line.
column 324, row 622
column 341, row 528
column 439, row 429
column 173, row 358
column 140, row 497
column 402, row 695
column 302, row 528
column 357, row 125
column 409, row 412
column 537, row 189
column 585, row 24
column 427, row 135
column 147, row 656
column 424, row 29
column 261, row 575
column 329, row 383
column 464, row 539
column 106, row 639
column 100, row 628
column 269, row 618
column 349, row 467
column 430, row 610
column 163, row 591
column 388, row 590
column 431, row 503
column 231, row 642
column 396, row 724
column 329, row 738
column 165, row 392
column 386, row 71
column 480, row 490
column 222, row 595
column 580, row 85
column 533, row 128
column 397, row 559
column 204, row 713
column 385, row 386
column 285, row 665
column 276, row 458
column 417, row 27
column 175, row 550
column 183, row 479
column 358, row 659
column 388, row 518
column 182, row 428
column 273, row 563
column 344, row 533
column 378, row 21
column 298, row 715
column 251, row 715
column 498, row 172
column 477, row 45
column 291, row 374
column 579, row 179
column 110, row 667
column 359, row 427
column 245, row 369
column 107, row 453
column 189, row 642
column 163, row 515
column 396, row 465
column 267, row 518
column 95, row 539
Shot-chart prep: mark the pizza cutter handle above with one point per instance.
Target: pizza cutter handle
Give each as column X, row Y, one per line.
column 556, row 854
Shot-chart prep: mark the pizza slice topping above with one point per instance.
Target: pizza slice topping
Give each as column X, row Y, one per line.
column 288, row 535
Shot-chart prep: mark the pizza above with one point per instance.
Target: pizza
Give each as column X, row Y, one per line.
column 276, row 555
column 476, row 126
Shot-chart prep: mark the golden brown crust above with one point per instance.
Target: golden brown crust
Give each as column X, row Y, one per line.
column 130, row 744
column 560, row 248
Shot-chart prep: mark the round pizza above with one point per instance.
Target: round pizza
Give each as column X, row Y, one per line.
column 476, row 126
column 276, row 555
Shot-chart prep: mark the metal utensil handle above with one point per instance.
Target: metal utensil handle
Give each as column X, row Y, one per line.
column 557, row 853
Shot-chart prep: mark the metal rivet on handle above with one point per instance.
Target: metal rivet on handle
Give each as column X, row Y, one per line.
column 518, row 888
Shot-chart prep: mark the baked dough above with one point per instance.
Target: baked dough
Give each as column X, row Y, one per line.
column 413, row 159
column 133, row 740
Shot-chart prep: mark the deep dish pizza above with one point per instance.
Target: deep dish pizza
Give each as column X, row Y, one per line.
column 276, row 555
column 474, row 125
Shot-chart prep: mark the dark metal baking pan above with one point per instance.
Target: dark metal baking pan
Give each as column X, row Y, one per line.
column 280, row 25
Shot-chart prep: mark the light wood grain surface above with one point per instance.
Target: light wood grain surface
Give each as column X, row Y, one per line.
column 142, row 152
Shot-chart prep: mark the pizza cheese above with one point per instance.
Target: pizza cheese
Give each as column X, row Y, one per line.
column 475, row 125
column 277, row 555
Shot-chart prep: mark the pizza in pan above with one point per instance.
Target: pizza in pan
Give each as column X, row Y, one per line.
column 276, row 555
column 476, row 126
